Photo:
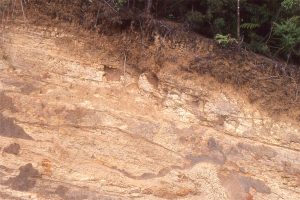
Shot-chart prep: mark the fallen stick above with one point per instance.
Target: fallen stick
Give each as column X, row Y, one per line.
column 124, row 66
column 23, row 10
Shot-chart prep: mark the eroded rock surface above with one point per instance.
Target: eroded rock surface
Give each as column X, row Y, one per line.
column 172, row 136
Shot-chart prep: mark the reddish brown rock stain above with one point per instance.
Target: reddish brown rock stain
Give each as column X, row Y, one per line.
column 47, row 167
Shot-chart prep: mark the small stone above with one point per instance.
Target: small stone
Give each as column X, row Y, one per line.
column 144, row 84
column 135, row 194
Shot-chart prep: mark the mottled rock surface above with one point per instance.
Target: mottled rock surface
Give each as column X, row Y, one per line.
column 71, row 128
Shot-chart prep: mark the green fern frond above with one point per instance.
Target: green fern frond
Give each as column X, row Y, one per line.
column 249, row 26
column 295, row 19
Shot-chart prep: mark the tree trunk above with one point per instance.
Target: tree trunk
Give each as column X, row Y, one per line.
column 238, row 31
column 148, row 7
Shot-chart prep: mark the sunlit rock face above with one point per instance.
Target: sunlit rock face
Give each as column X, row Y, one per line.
column 75, row 124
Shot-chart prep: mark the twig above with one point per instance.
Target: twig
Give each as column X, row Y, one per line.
column 23, row 10
column 3, row 27
column 97, row 17
column 124, row 66
column 297, row 93
column 110, row 6
column 2, row 19
column 270, row 34
column 142, row 33
column 270, row 77
column 297, row 90
column 13, row 9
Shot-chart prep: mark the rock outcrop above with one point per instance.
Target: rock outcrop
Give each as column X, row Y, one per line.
column 71, row 129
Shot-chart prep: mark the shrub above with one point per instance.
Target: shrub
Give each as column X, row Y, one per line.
column 120, row 3
column 224, row 40
column 3, row 5
column 288, row 34
column 195, row 17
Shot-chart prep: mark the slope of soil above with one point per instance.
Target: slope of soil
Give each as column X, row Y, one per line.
column 271, row 85
column 122, row 117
